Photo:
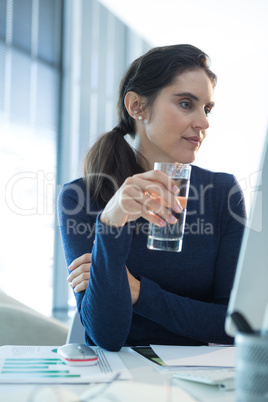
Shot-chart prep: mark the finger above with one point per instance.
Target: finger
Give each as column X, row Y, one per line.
column 150, row 216
column 159, row 193
column 147, row 214
column 154, row 207
column 156, row 219
column 159, row 190
column 78, row 271
column 79, row 279
column 83, row 259
column 127, row 203
column 160, row 177
column 136, row 202
column 82, row 286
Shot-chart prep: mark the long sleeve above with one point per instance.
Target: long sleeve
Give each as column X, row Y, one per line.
column 202, row 320
column 105, row 307
column 108, row 294
column 189, row 318
column 184, row 296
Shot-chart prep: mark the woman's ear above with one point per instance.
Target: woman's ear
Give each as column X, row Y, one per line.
column 133, row 105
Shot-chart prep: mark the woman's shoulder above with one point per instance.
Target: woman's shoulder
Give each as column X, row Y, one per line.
column 74, row 185
column 202, row 175
column 222, row 187
column 77, row 191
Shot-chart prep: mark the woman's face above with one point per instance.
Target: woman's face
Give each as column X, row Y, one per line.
column 178, row 120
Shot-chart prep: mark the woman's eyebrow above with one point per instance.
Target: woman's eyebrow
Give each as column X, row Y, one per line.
column 188, row 94
column 192, row 96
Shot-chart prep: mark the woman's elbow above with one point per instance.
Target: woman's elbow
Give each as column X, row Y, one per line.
column 112, row 345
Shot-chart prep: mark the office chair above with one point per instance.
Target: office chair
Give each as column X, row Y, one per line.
column 21, row 325
column 76, row 331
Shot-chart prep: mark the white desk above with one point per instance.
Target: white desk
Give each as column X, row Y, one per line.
column 148, row 385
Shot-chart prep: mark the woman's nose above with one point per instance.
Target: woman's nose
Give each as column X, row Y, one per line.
column 201, row 121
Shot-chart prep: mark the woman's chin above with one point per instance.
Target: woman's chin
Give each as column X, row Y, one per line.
column 186, row 159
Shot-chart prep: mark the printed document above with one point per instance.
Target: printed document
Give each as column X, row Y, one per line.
column 42, row 365
column 196, row 356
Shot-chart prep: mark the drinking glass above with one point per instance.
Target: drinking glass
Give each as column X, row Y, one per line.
column 169, row 237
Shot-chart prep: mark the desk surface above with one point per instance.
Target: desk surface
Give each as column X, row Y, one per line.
column 148, row 385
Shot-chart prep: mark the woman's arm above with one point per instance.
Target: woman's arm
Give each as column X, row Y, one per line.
column 194, row 319
column 105, row 307
column 191, row 318
column 79, row 277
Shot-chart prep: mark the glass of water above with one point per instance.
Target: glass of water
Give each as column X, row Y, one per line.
column 169, row 237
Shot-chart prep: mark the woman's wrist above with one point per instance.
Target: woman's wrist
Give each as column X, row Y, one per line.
column 108, row 222
column 135, row 291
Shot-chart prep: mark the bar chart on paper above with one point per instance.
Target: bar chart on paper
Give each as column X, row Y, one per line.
column 41, row 364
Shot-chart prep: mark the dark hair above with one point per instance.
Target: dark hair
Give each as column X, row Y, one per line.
column 111, row 159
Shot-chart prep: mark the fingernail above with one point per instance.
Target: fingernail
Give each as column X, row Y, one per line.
column 178, row 207
column 175, row 190
column 173, row 219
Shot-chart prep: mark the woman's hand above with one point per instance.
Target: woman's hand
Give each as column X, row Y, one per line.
column 151, row 195
column 134, row 286
column 79, row 277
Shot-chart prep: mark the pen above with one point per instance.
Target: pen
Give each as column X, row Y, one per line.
column 241, row 323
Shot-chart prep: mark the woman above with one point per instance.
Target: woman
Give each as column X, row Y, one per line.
column 125, row 293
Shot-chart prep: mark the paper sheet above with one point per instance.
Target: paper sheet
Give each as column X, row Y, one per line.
column 196, row 356
column 41, row 364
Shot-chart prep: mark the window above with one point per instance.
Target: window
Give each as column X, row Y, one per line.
column 30, row 62
column 98, row 48
column 38, row 152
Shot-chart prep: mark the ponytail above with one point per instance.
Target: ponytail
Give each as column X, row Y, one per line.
column 108, row 163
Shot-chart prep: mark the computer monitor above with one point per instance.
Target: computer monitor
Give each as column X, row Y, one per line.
column 249, row 295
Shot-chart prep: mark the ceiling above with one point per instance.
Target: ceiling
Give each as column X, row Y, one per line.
column 163, row 22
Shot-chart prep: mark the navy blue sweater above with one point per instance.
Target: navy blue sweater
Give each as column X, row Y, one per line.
column 183, row 296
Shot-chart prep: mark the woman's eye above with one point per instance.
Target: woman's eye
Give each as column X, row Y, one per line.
column 186, row 105
column 208, row 111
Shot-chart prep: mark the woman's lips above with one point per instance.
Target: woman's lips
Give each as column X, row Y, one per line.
column 193, row 140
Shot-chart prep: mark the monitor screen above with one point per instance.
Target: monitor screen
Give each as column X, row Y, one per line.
column 249, row 295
